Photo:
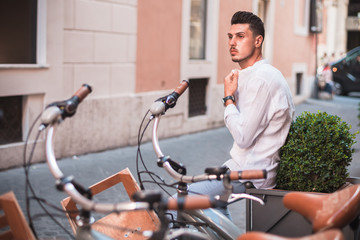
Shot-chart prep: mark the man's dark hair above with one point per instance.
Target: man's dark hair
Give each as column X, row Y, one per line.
column 256, row 25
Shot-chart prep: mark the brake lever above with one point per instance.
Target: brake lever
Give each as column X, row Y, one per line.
column 237, row 196
column 169, row 101
column 178, row 167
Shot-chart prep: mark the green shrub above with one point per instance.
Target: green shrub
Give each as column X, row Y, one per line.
column 316, row 154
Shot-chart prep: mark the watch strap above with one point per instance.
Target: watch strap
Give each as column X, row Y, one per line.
column 227, row 98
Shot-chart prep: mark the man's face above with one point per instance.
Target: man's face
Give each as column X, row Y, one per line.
column 242, row 43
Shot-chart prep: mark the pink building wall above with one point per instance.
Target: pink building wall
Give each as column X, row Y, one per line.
column 290, row 48
column 158, row 45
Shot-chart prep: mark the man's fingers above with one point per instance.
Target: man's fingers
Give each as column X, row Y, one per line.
column 229, row 76
column 235, row 73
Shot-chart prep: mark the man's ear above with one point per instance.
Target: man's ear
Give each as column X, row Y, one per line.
column 258, row 40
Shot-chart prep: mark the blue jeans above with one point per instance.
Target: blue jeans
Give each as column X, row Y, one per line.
column 213, row 188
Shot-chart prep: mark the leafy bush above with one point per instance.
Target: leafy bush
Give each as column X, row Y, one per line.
column 316, row 154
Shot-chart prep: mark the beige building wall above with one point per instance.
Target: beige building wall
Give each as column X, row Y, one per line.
column 90, row 42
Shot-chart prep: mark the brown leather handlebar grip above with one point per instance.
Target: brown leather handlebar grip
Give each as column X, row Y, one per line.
column 83, row 91
column 182, row 87
column 247, row 174
column 189, row 203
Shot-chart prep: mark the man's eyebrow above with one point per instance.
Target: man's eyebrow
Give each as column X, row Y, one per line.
column 237, row 33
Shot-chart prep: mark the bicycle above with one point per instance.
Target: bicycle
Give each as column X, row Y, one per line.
column 53, row 115
column 327, row 212
column 202, row 220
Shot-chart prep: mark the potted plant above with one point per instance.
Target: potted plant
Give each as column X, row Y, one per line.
column 316, row 154
column 314, row 158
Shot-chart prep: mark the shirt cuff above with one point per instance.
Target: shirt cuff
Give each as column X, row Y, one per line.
column 230, row 109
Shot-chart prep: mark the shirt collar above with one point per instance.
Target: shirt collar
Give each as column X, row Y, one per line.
column 255, row 65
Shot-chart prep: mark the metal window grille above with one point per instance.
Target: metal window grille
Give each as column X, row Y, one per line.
column 197, row 97
column 299, row 77
column 11, row 119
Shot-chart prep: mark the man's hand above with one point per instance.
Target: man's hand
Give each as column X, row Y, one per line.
column 231, row 83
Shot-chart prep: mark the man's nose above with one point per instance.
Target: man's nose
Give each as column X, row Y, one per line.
column 231, row 42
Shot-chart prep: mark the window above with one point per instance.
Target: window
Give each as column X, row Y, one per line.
column 23, row 33
column 353, row 39
column 18, row 26
column 197, row 97
column 354, row 8
column 197, row 29
column 301, row 17
column 299, row 77
column 11, row 119
column 316, row 18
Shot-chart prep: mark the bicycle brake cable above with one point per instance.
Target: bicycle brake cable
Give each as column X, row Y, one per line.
column 28, row 185
column 139, row 155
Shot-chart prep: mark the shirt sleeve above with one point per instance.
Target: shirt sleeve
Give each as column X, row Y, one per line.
column 247, row 122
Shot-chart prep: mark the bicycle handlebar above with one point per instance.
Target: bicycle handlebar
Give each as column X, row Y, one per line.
column 164, row 161
column 232, row 175
column 90, row 205
column 154, row 198
column 247, row 174
column 193, row 203
column 66, row 108
column 182, row 87
column 169, row 101
column 82, row 92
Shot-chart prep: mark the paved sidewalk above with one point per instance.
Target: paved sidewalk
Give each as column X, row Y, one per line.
column 196, row 151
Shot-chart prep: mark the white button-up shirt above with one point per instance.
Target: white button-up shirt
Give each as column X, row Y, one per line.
column 260, row 121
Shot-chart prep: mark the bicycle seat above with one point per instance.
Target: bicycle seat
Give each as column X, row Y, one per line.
column 325, row 211
column 333, row 234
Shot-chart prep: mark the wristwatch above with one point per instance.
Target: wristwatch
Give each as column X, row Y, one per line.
column 227, row 98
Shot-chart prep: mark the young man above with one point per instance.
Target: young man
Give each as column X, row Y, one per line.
column 258, row 107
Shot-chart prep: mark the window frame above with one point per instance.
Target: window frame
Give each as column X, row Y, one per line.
column 204, row 31
column 201, row 68
column 301, row 29
column 41, row 61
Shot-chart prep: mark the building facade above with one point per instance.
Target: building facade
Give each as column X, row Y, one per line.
column 340, row 31
column 132, row 52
